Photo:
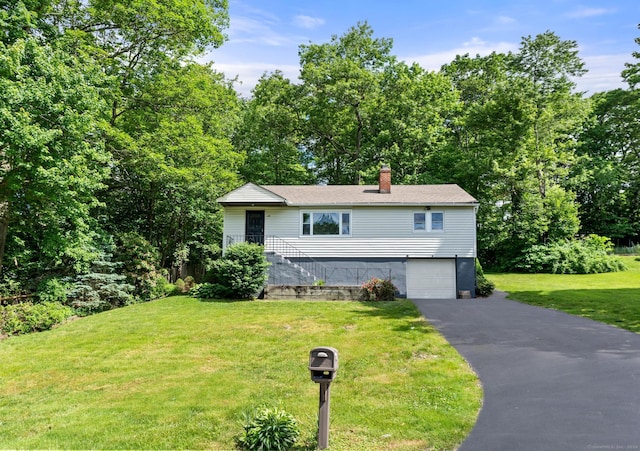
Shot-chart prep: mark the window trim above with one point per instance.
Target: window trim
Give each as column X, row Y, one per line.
column 340, row 223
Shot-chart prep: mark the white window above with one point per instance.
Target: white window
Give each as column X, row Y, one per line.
column 436, row 221
column 316, row 223
column 429, row 221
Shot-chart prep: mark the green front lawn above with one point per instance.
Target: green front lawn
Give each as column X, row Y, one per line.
column 179, row 373
column 612, row 298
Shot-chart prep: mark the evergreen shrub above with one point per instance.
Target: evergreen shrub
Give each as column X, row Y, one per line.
column 139, row 261
column 162, row 288
column 179, row 287
column 101, row 289
column 241, row 272
column 484, row 287
column 189, row 283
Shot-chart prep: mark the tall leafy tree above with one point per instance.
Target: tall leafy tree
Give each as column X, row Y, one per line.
column 409, row 123
column 122, row 53
column 52, row 159
column 179, row 159
column 341, row 82
column 604, row 177
column 272, row 134
column 517, row 137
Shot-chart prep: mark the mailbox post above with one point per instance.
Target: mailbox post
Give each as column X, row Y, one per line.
column 323, row 364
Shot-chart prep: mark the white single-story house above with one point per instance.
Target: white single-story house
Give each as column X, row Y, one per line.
column 423, row 237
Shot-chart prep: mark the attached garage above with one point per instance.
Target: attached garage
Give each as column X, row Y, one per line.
column 431, row 278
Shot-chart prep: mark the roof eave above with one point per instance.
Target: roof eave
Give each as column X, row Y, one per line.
column 384, row 204
column 253, row 204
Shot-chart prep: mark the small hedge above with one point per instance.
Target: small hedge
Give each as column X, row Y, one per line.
column 26, row 317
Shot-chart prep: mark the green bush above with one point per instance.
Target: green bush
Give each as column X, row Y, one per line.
column 9, row 288
column 269, row 429
column 179, row 287
column 241, row 272
column 25, row 317
column 53, row 290
column 378, row 290
column 484, row 287
column 162, row 288
column 139, row 261
column 209, row 291
column 590, row 255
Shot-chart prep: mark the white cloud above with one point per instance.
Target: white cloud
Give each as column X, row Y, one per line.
column 504, row 20
column 249, row 30
column 249, row 74
column 476, row 46
column 308, row 22
column 604, row 73
column 589, row 12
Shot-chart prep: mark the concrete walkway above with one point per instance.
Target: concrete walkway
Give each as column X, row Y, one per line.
column 551, row 381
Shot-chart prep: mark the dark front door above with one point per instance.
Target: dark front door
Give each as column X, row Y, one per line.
column 255, row 227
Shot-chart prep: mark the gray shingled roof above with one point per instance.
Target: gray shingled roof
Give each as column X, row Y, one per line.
column 306, row 195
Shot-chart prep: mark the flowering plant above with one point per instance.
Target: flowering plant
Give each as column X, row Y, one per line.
column 378, row 290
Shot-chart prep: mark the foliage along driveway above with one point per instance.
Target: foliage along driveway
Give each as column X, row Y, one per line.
column 551, row 380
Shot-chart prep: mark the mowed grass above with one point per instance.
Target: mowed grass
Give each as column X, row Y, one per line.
column 179, row 373
column 612, row 298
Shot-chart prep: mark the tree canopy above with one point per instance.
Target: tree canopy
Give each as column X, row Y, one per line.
column 112, row 134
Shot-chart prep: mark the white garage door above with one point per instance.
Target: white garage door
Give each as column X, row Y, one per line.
column 431, row 279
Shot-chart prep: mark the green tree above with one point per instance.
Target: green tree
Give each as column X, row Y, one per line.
column 272, row 134
column 178, row 161
column 52, row 155
column 514, row 142
column 631, row 73
column 341, row 82
column 604, row 175
column 409, row 123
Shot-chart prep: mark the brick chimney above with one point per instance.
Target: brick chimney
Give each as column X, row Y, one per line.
column 384, row 186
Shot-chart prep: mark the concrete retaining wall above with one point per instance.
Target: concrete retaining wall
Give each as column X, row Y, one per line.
column 319, row 293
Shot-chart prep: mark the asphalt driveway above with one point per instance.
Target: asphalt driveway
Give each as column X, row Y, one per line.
column 551, row 381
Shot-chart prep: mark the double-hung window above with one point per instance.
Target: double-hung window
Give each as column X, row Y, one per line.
column 317, row 223
column 437, row 222
column 428, row 221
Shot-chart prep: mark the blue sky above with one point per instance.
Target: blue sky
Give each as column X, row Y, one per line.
column 265, row 35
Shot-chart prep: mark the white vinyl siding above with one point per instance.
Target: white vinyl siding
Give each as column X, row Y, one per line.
column 375, row 232
column 251, row 194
